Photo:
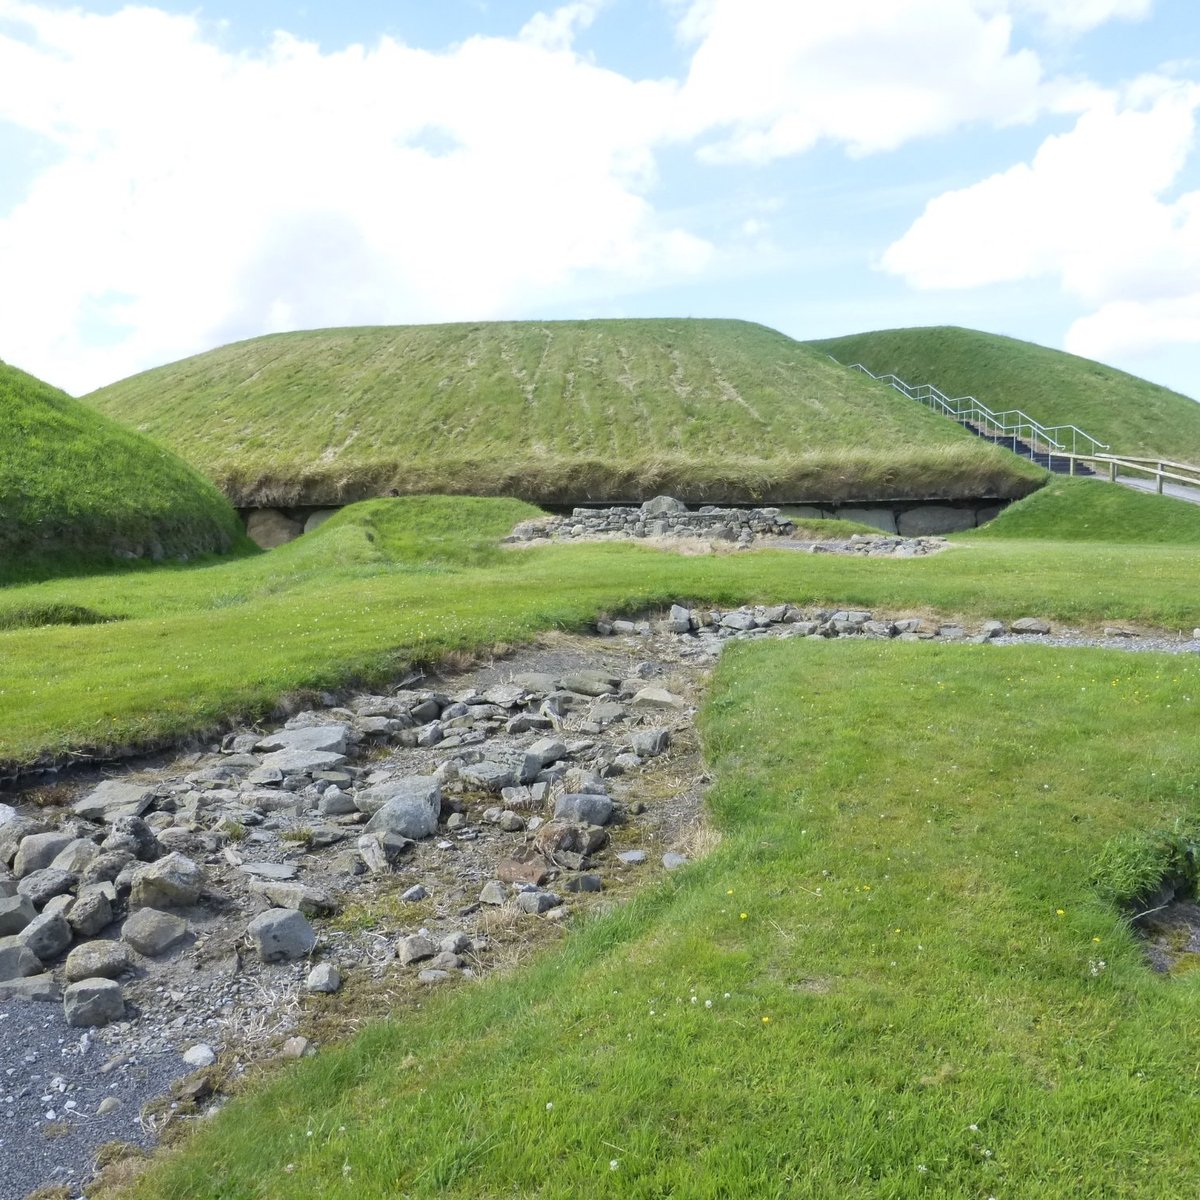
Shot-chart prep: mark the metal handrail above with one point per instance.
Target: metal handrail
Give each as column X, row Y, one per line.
column 968, row 408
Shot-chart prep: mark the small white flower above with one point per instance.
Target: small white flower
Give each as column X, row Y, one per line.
column 708, row 1004
column 921, row 1168
column 613, row 1164
column 973, row 1128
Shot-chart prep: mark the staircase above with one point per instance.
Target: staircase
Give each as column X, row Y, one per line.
column 1057, row 464
column 1061, row 449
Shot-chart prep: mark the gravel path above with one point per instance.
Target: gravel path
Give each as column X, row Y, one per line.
column 53, row 1082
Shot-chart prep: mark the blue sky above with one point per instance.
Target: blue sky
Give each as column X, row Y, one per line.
column 178, row 175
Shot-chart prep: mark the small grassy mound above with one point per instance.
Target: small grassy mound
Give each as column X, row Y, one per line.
column 553, row 412
column 1089, row 510
column 1132, row 415
column 77, row 490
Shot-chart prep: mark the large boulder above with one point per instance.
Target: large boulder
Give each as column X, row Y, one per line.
column 47, row 936
column 173, row 882
column 583, row 808
column 662, row 506
column 93, row 1002
column 268, row 528
column 17, row 961
column 15, row 913
column 409, row 807
column 38, row 850
column 152, row 933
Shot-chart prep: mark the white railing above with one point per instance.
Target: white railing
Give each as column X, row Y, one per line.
column 1068, row 440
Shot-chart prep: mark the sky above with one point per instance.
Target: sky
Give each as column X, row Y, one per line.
column 176, row 176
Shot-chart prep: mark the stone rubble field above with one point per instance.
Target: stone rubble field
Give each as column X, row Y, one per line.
column 214, row 909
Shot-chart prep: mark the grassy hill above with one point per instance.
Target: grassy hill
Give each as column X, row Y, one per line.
column 77, row 490
column 1130, row 414
column 553, row 412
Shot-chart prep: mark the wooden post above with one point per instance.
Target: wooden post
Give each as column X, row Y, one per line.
column 1159, row 479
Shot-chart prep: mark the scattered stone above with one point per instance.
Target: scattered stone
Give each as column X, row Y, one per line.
column 275, row 872
column 330, row 738
column 108, row 1106
column 632, row 858
column 47, row 936
column 43, row 885
column 112, row 799
column 17, row 961
column 199, row 1056
column 585, row 883
column 673, row 861
column 324, row 977
column 312, row 902
column 281, row 935
column 656, row 697
column 96, row 960
column 295, row 1047
column 93, row 1002
column 414, row 948
column 409, row 807
column 152, row 933
column 91, row 912
column 650, row 743
column 584, row 808
column 1031, row 625
column 173, row 882
column 38, row 851
column 15, row 913
column 40, row 988
column 382, row 851
column 494, row 893
column 414, row 894
column 536, row 903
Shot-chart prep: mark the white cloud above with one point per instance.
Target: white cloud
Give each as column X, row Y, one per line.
column 556, row 30
column 1080, row 16
column 1095, row 210
column 202, row 195
column 778, row 77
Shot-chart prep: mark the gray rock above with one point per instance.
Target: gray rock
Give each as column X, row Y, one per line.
column 511, row 822
column 536, row 903
column 579, row 780
column 656, row 697
column 673, row 861
column 1031, row 625
column 680, row 620
column 47, row 936
column 336, row 803
column 131, row 835
column 317, row 519
column 991, row 629
column 488, row 776
column 739, row 621
column 585, row 883
column 41, row 988
column 152, row 933
column 17, row 961
column 96, row 960
column 37, row 851
column 312, row 902
column 545, row 752
column 106, row 868
column 93, row 1002
column 13, row 833
column 7, row 813
column 414, row 894
column 650, row 743
column 91, row 912
column 414, row 948
column 114, row 798
column 584, row 808
column 663, row 506
column 324, row 977
column 199, row 1056
column 76, row 855
column 330, row 738
column 300, row 762
column 281, row 935
column 537, row 683
column 15, row 913
column 42, row 886
column 173, row 882
column 381, row 850
column 927, row 519
column 430, row 975
column 455, row 943
column 409, row 807
column 591, row 683
column 271, row 871
column 632, row 858
column 268, row 528
column 494, row 893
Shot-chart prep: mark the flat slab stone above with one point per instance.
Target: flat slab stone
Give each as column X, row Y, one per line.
column 152, row 933
column 330, row 738
column 40, row 988
column 300, row 762
column 279, row 872
column 114, row 798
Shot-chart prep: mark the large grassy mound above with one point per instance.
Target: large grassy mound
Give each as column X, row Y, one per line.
column 1130, row 414
column 77, row 490
column 553, row 412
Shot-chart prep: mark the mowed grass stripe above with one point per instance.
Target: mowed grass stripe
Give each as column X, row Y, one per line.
column 554, row 412
column 891, row 979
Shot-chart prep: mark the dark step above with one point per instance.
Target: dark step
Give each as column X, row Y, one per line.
column 1054, row 463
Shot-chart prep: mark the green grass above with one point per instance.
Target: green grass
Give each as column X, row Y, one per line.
column 1130, row 414
column 554, row 412
column 915, row 989
column 388, row 583
column 1090, row 510
column 77, row 491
